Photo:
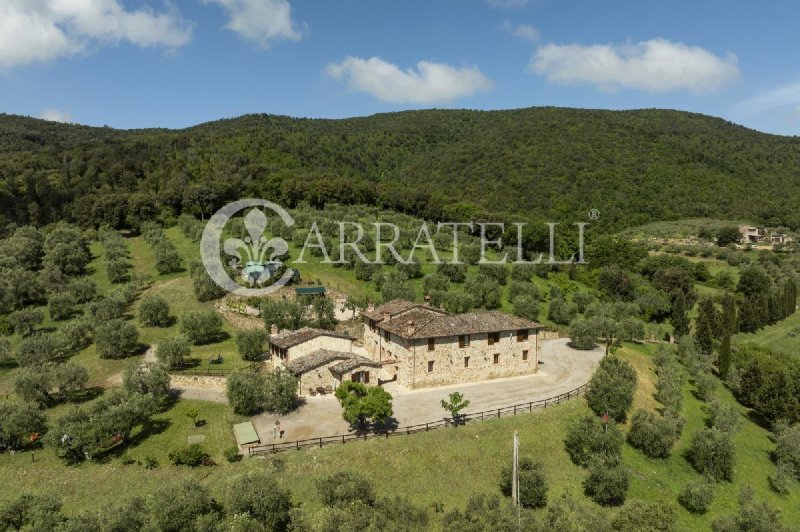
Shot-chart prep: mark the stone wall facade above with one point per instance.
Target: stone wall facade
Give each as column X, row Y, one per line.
column 416, row 366
column 323, row 377
column 331, row 343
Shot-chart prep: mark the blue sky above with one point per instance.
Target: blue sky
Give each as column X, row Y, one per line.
column 151, row 63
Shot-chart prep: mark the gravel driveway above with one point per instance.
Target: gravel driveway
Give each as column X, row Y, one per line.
column 562, row 369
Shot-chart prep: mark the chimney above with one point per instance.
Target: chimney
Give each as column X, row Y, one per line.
column 273, row 330
column 386, row 316
column 427, row 299
column 370, row 306
column 411, row 328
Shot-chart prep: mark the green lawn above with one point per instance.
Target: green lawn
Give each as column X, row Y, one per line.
column 776, row 337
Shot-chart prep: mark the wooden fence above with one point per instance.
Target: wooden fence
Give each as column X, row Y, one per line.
column 494, row 413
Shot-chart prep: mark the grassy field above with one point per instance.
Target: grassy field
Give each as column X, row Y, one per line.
column 421, row 467
column 784, row 336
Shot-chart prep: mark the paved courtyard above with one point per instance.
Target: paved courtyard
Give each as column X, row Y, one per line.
column 561, row 369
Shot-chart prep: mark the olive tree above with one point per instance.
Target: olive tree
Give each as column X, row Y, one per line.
column 202, row 326
column 116, row 339
column 154, row 312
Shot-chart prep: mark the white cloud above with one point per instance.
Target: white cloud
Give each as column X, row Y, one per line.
column 526, row 32
column 42, row 30
column 54, row 115
column 261, row 21
column 430, row 83
column 786, row 96
column 657, row 65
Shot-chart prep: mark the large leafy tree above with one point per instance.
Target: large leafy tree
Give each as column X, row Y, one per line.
column 362, row 404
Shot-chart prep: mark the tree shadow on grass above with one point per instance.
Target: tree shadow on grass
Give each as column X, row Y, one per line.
column 759, row 419
column 85, row 395
column 156, row 426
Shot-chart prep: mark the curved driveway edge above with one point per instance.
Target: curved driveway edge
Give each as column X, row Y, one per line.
column 561, row 369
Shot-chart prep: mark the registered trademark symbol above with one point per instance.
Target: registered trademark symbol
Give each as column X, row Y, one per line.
column 594, row 214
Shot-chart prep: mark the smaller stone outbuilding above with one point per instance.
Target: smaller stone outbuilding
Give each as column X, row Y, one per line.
column 325, row 369
column 287, row 346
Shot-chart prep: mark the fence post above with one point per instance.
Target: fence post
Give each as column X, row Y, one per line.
column 320, row 442
column 426, row 427
column 515, row 410
column 498, row 412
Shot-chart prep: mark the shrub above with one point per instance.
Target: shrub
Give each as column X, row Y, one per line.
column 83, row 289
column 259, row 495
column 5, row 352
column 117, row 270
column 345, row 488
column 787, row 450
column 532, row 483
column 61, row 306
column 202, row 327
column 654, row 434
column 526, row 307
column 752, row 516
column 724, row 416
column 561, row 311
column 251, row 344
column 25, row 321
column 172, row 351
column 205, row 289
column 246, row 393
column 607, row 483
column 697, row 496
column 154, row 312
column 192, row 455
column 116, row 339
column 611, row 388
column 669, row 387
column 588, row 438
column 147, row 378
column 232, row 454
column 705, row 385
column 582, row 333
column 175, row 507
column 712, row 453
column 280, row 392
column 38, row 350
column 17, row 422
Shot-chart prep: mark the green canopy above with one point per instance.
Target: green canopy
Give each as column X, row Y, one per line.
column 310, row 290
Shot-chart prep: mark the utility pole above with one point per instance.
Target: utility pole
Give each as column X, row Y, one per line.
column 515, row 478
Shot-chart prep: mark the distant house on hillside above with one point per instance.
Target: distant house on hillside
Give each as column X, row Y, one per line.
column 751, row 234
column 422, row 346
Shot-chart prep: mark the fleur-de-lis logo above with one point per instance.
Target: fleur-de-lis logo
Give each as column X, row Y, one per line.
column 256, row 255
column 253, row 250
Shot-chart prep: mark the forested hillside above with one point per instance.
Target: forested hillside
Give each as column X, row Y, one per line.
column 538, row 163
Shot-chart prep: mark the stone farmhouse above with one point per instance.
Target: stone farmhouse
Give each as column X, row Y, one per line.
column 320, row 359
column 421, row 346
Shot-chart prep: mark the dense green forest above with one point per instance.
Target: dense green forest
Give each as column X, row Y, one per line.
column 537, row 163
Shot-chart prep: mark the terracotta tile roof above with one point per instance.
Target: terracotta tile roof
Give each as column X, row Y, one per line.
column 318, row 358
column 292, row 338
column 355, row 361
column 434, row 326
column 395, row 307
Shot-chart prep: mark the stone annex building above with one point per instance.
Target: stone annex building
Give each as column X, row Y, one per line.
column 413, row 344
